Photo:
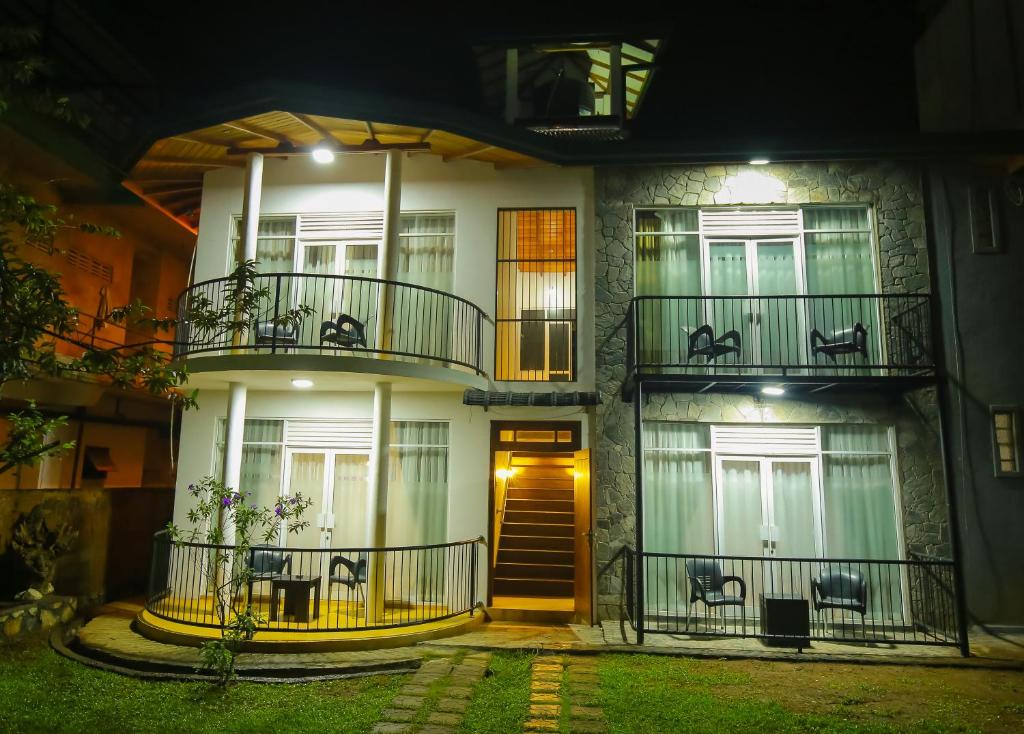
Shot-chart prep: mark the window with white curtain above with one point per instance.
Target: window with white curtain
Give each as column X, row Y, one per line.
column 418, row 482
column 678, row 501
column 426, row 249
column 262, row 454
column 275, row 244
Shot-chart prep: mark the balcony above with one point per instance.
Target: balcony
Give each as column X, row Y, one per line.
column 809, row 343
column 354, row 325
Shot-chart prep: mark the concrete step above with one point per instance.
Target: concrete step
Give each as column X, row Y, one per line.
column 523, row 614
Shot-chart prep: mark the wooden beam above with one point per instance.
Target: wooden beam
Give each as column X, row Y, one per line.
column 468, row 153
column 259, row 132
column 159, row 179
column 200, row 141
column 168, row 160
column 135, row 189
column 425, row 136
column 369, row 130
column 196, row 186
column 311, row 124
column 367, row 146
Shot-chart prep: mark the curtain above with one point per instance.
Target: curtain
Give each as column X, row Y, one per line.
column 275, row 244
column 418, row 501
column 839, row 264
column 780, row 336
column 351, row 478
column 666, row 265
column 426, row 257
column 860, row 509
column 261, row 458
column 678, row 506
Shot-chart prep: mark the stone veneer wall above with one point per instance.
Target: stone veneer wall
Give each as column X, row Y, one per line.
column 894, row 192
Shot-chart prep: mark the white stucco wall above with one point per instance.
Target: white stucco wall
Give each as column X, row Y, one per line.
column 474, row 191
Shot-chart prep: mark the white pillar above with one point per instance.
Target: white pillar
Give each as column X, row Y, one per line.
column 232, row 459
column 251, row 204
column 387, row 257
column 377, row 499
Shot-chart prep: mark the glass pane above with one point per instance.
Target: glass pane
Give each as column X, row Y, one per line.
column 307, row 478
column 672, row 435
column 793, row 510
column 319, row 259
column 506, row 436
column 839, row 264
column 776, row 269
column 535, row 436
column 667, row 265
column 728, row 277
column 667, row 220
column 565, row 437
column 351, row 475
column 361, row 260
column 860, row 514
column 860, row 437
column 728, row 269
column 741, row 509
column 678, row 502
column 835, row 218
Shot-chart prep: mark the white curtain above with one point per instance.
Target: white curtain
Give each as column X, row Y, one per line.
column 426, row 257
column 351, row 479
column 418, row 502
column 262, row 454
column 678, row 506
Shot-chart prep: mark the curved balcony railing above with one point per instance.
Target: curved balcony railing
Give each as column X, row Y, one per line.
column 316, row 589
column 377, row 317
column 871, row 335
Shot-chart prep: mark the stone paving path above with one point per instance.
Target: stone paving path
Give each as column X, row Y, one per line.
column 563, row 690
column 435, row 698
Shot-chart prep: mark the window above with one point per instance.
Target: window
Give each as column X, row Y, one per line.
column 262, row 452
column 426, row 250
column 1006, row 441
column 275, row 244
column 536, row 295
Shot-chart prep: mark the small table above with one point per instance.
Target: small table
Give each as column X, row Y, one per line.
column 786, row 620
column 296, row 596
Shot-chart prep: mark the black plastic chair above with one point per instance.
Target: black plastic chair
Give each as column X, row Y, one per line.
column 853, row 340
column 707, row 584
column 355, row 579
column 702, row 343
column 267, row 562
column 344, row 332
column 844, row 590
column 282, row 335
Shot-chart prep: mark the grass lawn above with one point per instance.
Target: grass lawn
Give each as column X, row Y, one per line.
column 42, row 692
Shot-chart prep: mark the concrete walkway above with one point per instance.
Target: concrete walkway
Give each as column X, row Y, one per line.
column 110, row 637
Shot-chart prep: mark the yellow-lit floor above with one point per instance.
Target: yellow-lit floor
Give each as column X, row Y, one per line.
column 337, row 621
column 538, row 603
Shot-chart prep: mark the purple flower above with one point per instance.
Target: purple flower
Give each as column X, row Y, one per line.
column 226, row 502
column 293, row 500
column 278, row 510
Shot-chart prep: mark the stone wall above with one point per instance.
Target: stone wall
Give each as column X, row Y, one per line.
column 36, row 617
column 894, row 193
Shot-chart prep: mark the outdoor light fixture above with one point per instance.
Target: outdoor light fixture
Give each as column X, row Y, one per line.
column 323, row 152
column 302, row 383
column 504, row 473
column 772, row 390
column 759, row 161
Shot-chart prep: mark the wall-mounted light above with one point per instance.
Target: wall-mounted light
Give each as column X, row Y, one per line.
column 323, row 152
column 775, row 390
column 302, row 383
column 759, row 161
column 505, row 473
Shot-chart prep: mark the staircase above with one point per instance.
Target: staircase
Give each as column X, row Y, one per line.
column 535, row 549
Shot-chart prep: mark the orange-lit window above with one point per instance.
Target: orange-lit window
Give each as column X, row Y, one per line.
column 536, row 295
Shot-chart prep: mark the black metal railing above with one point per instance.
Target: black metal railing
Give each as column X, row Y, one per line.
column 842, row 600
column 315, row 589
column 379, row 317
column 844, row 335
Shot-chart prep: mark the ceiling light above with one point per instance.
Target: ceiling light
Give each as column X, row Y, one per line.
column 759, row 161
column 302, row 383
column 773, row 390
column 323, row 152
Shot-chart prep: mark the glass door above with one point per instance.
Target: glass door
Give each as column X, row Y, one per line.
column 329, row 297
column 727, row 273
column 778, row 322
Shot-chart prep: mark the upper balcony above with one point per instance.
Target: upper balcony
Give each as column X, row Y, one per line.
column 354, row 325
column 793, row 343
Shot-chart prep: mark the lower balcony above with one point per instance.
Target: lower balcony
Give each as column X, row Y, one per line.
column 794, row 601
column 352, row 325
column 324, row 596
column 805, row 342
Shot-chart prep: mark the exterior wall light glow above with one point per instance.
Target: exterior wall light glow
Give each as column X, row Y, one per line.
column 759, row 161
column 302, row 383
column 504, row 473
column 322, row 153
column 773, row 390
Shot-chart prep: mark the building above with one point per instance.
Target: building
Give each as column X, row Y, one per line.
column 661, row 372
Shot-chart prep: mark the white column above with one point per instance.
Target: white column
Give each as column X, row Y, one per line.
column 387, row 257
column 251, row 204
column 232, row 459
column 377, row 498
